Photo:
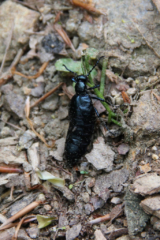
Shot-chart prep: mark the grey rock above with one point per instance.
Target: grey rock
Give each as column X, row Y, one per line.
column 97, row 202
column 66, row 193
column 38, row 91
column 51, row 103
column 10, row 155
column 10, row 233
column 124, row 43
column 136, row 217
column 26, row 140
column 99, row 235
column 54, row 128
column 33, row 232
column 156, row 226
column 73, row 232
column 7, row 88
column 147, row 184
column 101, row 156
column 116, row 200
column 151, row 205
column 88, row 208
column 6, row 131
column 145, row 119
column 14, row 103
column 131, row 91
column 62, row 113
column 20, row 204
column 62, row 221
column 85, row 197
column 112, row 180
column 24, row 19
column 58, row 154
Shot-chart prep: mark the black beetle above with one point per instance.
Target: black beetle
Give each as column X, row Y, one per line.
column 82, row 119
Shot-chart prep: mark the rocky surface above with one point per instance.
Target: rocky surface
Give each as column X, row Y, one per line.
column 19, row 21
column 112, row 192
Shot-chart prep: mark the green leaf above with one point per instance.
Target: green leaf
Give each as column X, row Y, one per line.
column 83, row 172
column 59, row 182
column 44, row 221
column 74, row 66
column 70, row 186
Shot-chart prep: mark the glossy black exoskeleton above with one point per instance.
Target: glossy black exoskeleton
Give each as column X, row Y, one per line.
column 82, row 120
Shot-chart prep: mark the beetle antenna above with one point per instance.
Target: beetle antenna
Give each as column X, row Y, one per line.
column 94, row 66
column 70, row 70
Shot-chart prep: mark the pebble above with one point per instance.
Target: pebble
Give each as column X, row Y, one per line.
column 154, row 148
column 155, row 157
column 116, row 200
column 143, row 234
column 33, row 232
column 156, row 226
column 6, row 131
column 131, row 91
column 47, row 207
column 24, row 18
column 85, row 197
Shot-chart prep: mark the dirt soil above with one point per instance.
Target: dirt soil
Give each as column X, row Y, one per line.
column 112, row 192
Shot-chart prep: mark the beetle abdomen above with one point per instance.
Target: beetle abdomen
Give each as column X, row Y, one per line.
column 82, row 121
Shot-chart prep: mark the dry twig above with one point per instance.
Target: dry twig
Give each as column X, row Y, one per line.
column 21, row 213
column 43, row 67
column 64, row 35
column 46, row 95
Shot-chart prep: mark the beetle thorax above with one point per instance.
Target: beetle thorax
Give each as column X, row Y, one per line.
column 80, row 87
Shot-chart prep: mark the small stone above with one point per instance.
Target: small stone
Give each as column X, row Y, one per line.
column 47, row 207
column 114, row 93
column 38, row 91
column 155, row 157
column 24, row 19
column 153, row 220
column 71, row 26
column 143, row 234
column 10, row 155
column 101, row 156
column 99, row 235
column 152, row 79
column 85, row 197
column 156, row 226
column 118, row 100
column 114, row 180
column 123, row 148
column 41, row 197
column 6, row 131
column 33, row 232
column 62, row 113
column 26, row 140
column 147, row 184
column 145, row 168
column 51, row 103
column 14, row 103
column 58, row 154
column 129, row 80
column 73, row 232
column 54, row 128
column 116, row 200
column 154, row 148
column 131, row 91
column 151, row 205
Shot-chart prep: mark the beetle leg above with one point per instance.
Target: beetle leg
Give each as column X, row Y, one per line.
column 100, row 99
column 96, row 86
